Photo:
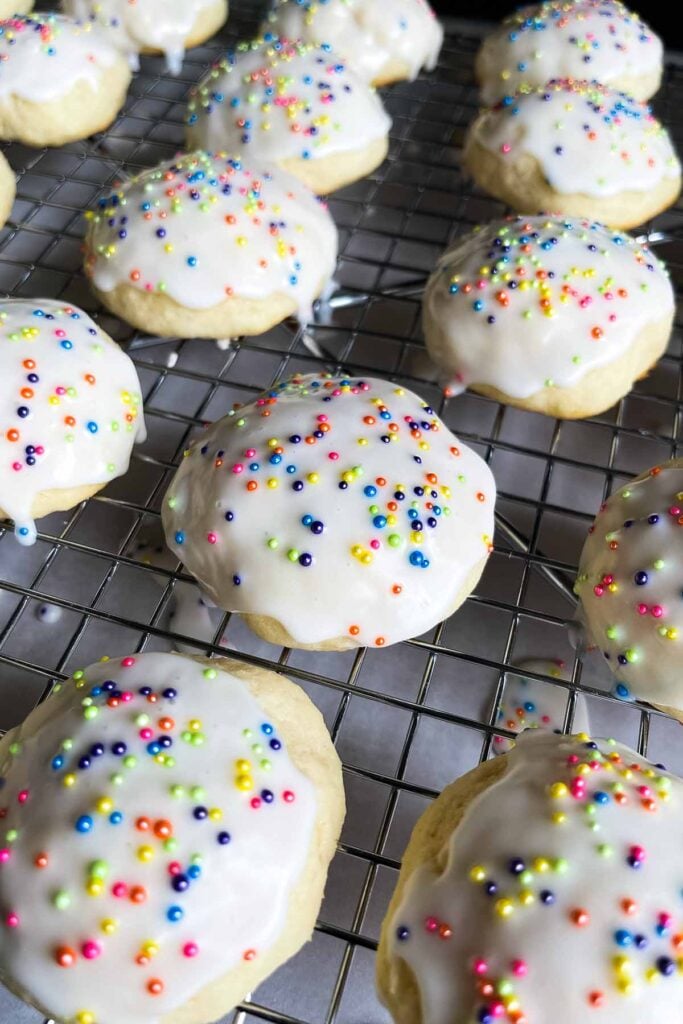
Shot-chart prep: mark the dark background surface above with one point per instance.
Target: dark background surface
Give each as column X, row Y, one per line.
column 663, row 17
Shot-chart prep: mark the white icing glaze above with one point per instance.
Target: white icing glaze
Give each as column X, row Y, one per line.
column 534, row 302
column 595, row 39
column 272, row 100
column 234, row 778
column 200, row 229
column 531, row 704
column 71, row 405
column 593, row 947
column 162, row 25
column 42, row 57
column 368, row 34
column 288, row 508
column 630, row 585
column 586, row 138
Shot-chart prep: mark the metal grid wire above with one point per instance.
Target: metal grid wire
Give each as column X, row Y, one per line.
column 405, row 720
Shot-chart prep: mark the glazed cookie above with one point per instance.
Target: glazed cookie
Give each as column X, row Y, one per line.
column 575, row 148
column 10, row 7
column 529, row 703
column 154, row 26
column 60, row 80
column 294, row 105
column 71, row 410
column 8, row 190
column 204, row 247
column 629, row 584
column 168, row 825
column 597, row 39
column 555, row 315
column 383, row 41
column 333, row 513
column 543, row 886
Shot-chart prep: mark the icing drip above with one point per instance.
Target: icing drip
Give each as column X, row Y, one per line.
column 369, row 34
column 532, row 704
column 534, row 302
column 43, row 57
column 629, row 583
column 274, row 100
column 71, row 406
column 596, row 39
column 163, row 25
column 341, row 508
column 141, row 807
column 587, row 139
column 560, row 899
column 201, row 229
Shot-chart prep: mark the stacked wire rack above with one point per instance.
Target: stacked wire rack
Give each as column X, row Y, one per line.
column 407, row 720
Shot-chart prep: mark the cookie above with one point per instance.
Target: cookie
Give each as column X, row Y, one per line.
column 154, row 26
column 543, row 886
column 8, row 190
column 168, row 825
column 529, row 703
column 71, row 410
column 10, row 7
column 333, row 513
column 629, row 584
column 203, row 246
column 557, row 315
column 60, row 80
column 383, row 41
column 295, row 105
column 600, row 40
column 576, row 148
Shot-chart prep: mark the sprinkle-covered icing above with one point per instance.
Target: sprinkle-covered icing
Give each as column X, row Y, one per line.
column 273, row 100
column 153, row 828
column 561, row 896
column 534, row 302
column 585, row 39
column 369, row 34
column 201, row 229
column 42, row 57
column 71, row 405
column 587, row 138
column 629, row 583
column 339, row 507
column 533, row 704
column 163, row 25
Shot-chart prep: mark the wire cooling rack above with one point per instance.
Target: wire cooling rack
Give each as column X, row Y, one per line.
column 406, row 720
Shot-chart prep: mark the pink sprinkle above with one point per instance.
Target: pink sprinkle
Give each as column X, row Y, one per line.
column 212, row 538
column 657, row 611
column 334, row 456
column 60, row 334
column 40, row 450
column 250, row 453
column 119, row 889
column 146, row 734
column 60, row 391
column 23, row 796
column 190, row 949
column 12, row 920
column 642, row 609
column 126, row 696
column 374, row 544
column 238, row 468
column 255, row 802
column 519, row 968
column 480, row 966
column 4, row 855
column 506, row 147
column 16, row 466
column 288, row 796
column 431, row 924
column 91, row 950
column 174, row 868
column 127, row 662
column 322, row 418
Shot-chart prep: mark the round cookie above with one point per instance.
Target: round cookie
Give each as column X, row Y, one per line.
column 204, row 247
column 60, row 80
column 70, row 410
column 597, row 39
column 532, row 704
column 629, row 584
column 154, row 26
column 543, row 886
column 555, row 315
column 10, row 7
column 168, row 825
column 333, row 513
column 295, row 105
column 383, row 41
column 576, row 148
column 8, row 190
